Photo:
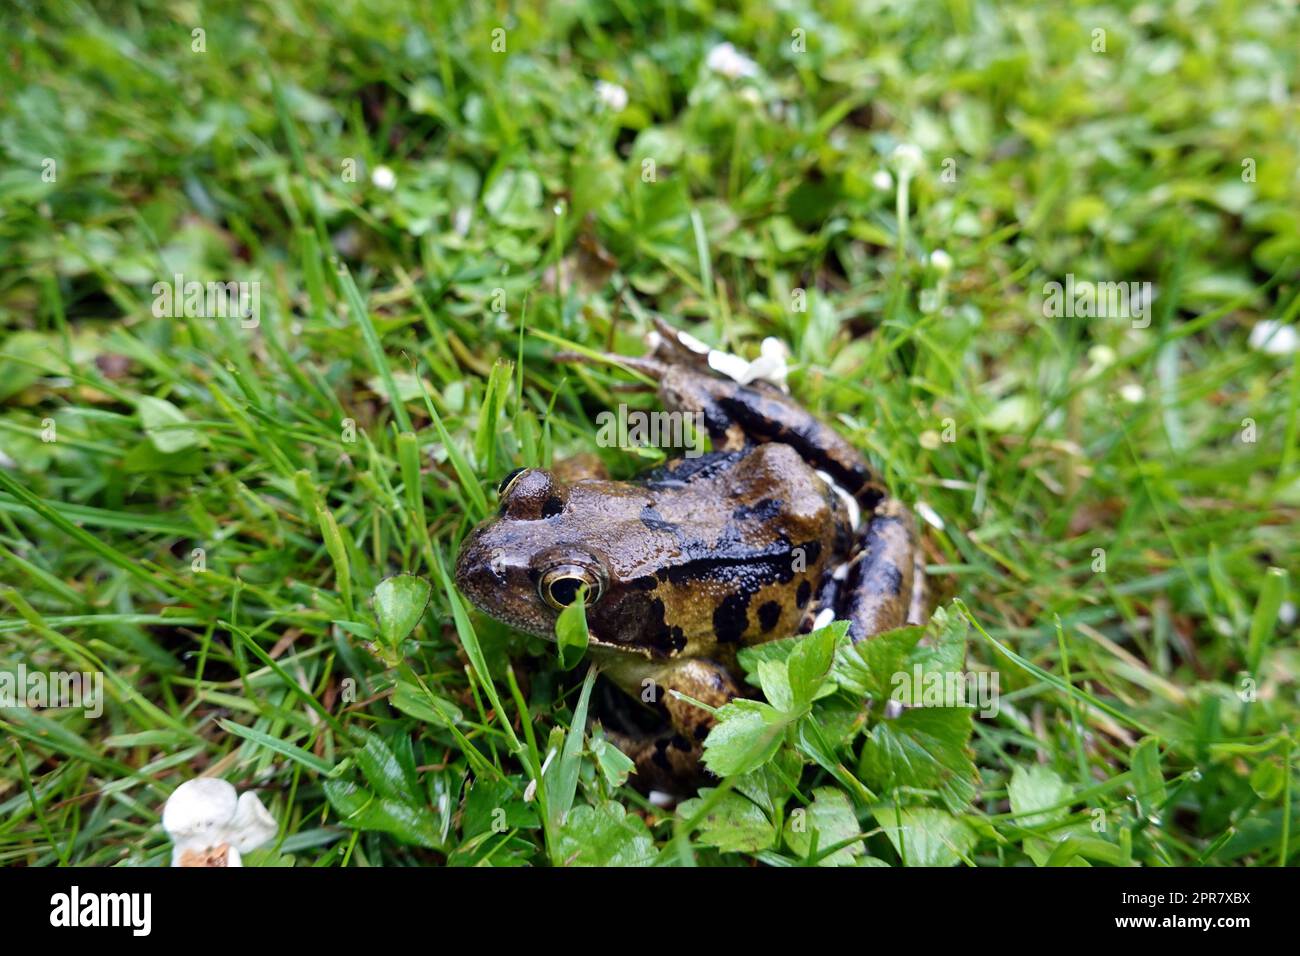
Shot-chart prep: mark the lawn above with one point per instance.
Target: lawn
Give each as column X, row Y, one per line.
column 426, row 203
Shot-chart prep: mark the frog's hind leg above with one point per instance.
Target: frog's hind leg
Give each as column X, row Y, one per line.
column 670, row 760
column 884, row 585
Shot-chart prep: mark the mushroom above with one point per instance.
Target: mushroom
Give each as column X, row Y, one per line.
column 210, row 826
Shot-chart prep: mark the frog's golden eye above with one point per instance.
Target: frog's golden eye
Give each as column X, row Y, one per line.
column 559, row 586
column 508, row 482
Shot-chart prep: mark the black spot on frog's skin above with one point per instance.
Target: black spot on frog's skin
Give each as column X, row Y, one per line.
column 644, row 583
column 730, row 619
column 679, row 742
column 551, row 507
column 660, row 757
column 769, row 614
column 655, row 521
column 765, row 510
column 702, row 730
column 647, row 617
column 804, row 593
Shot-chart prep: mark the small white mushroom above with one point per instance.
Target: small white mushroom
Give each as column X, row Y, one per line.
column 211, row 826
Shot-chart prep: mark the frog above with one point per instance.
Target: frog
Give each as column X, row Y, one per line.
column 781, row 527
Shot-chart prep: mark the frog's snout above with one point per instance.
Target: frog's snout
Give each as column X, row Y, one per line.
column 478, row 569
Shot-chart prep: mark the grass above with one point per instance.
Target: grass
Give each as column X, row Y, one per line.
column 1111, row 505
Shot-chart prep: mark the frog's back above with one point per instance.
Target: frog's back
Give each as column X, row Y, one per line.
column 752, row 532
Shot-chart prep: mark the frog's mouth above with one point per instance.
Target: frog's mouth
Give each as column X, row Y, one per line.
column 499, row 588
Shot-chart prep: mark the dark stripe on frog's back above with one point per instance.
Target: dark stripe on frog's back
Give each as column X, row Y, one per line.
column 683, row 471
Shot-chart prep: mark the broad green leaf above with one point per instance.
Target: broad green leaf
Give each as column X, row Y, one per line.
column 400, row 602
column 734, row 825
column 810, row 662
column 830, row 817
column 361, row 809
column 774, row 679
column 867, row 669
column 604, row 835
column 571, row 635
column 747, row 733
column 382, row 770
column 1038, row 795
column 925, row 836
column 780, row 650
column 925, row 748
column 166, row 425
column 613, row 763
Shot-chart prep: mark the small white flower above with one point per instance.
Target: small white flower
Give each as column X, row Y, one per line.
column 770, row 366
column 1274, row 338
column 210, row 826
column 726, row 60
column 941, row 261
column 1102, row 356
column 1133, row 393
column 384, row 178
column 907, row 159
column 611, row 95
column 882, row 180
column 462, row 219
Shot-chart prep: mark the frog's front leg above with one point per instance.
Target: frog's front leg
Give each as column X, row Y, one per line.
column 670, row 760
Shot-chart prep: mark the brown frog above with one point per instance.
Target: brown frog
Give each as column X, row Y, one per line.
column 751, row 542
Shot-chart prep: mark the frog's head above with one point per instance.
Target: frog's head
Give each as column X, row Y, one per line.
column 526, row 564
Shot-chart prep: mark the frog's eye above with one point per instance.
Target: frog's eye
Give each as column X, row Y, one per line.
column 558, row 587
column 508, row 482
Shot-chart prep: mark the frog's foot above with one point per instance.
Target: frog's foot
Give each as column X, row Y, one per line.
column 666, row 762
column 883, row 586
column 670, row 759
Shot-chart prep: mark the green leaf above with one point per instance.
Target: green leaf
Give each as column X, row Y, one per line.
column 734, row 825
column 571, row 634
column 925, row 836
column 1038, row 795
column 774, row 679
column 399, row 603
column 304, row 757
column 415, row 701
column 360, row 809
column 867, row 669
column 561, row 778
column 944, row 646
column 613, row 763
column 166, row 425
column 1148, row 782
column 746, row 735
column 1264, row 619
column 605, row 835
column 810, row 662
column 831, row 819
column 382, row 770
column 926, row 748
column 781, row 650
column 771, row 784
